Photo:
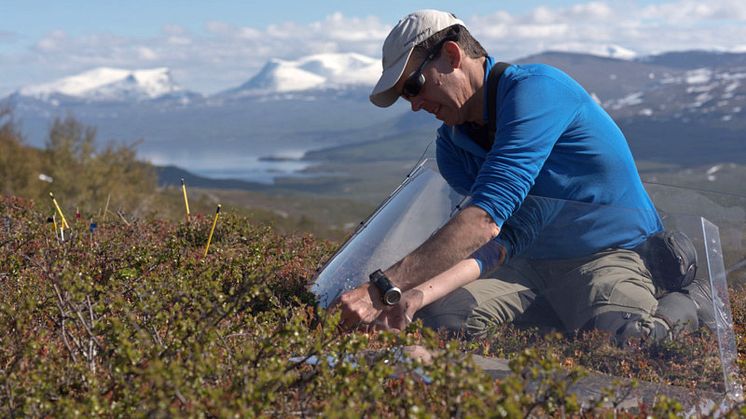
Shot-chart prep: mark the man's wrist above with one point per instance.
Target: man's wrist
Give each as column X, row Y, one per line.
column 390, row 294
column 413, row 301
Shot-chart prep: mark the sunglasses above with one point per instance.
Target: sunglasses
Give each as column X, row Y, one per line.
column 414, row 83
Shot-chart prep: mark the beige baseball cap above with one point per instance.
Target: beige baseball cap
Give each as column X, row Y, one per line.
column 398, row 47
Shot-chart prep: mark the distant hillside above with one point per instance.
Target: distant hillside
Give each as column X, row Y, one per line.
column 692, row 60
column 682, row 108
column 173, row 175
column 607, row 78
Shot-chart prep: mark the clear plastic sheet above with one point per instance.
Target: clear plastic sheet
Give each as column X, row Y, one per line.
column 424, row 202
column 723, row 318
column 416, row 209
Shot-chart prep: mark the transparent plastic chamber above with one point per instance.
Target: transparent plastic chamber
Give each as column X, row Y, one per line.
column 716, row 224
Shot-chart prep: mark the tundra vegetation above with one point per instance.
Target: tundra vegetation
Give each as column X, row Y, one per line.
column 129, row 319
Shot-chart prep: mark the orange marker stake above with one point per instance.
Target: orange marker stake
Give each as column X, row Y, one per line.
column 59, row 211
column 212, row 230
column 186, row 201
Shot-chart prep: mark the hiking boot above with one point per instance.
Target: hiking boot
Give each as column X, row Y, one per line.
column 701, row 293
column 679, row 311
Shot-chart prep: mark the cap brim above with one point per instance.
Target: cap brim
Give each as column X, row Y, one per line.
column 383, row 94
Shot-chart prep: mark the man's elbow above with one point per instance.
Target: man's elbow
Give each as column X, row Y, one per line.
column 486, row 226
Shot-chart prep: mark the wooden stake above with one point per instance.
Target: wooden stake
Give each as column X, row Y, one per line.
column 106, row 208
column 212, row 230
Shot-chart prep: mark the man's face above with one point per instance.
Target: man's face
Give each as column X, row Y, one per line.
column 443, row 93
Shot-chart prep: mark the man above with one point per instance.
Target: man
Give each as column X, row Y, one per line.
column 553, row 141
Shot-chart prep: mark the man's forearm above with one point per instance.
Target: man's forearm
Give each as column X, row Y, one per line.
column 444, row 283
column 460, row 237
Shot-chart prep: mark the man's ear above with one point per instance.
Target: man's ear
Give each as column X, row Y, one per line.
column 453, row 53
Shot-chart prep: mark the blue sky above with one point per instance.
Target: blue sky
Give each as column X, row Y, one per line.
column 33, row 18
column 215, row 45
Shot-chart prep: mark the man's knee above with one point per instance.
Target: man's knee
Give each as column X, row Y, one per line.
column 497, row 311
column 449, row 313
column 460, row 312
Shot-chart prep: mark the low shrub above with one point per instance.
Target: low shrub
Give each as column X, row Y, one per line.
column 131, row 320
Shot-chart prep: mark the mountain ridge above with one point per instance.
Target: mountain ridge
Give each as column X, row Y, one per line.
column 328, row 71
column 676, row 113
column 313, row 72
column 107, row 84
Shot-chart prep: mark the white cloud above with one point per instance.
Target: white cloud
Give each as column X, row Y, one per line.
column 672, row 25
column 147, row 54
column 179, row 40
column 224, row 55
column 592, row 10
column 693, row 10
column 51, row 41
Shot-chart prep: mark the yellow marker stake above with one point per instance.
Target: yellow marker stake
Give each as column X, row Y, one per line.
column 59, row 211
column 212, row 230
column 54, row 220
column 186, row 201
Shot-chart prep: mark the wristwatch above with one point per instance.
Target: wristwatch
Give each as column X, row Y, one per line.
column 390, row 294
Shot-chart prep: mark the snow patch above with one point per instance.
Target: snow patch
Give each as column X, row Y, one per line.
column 699, row 76
column 711, row 172
column 702, row 98
column 703, row 88
column 629, row 100
column 646, row 112
column 714, row 169
column 732, row 86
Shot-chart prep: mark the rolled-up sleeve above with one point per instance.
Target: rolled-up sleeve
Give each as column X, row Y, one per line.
column 534, row 112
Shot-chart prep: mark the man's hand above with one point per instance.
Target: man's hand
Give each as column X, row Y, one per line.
column 399, row 316
column 361, row 305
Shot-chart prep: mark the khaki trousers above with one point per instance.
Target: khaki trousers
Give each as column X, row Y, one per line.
column 576, row 289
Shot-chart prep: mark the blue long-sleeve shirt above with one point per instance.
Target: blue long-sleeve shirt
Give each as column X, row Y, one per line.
column 555, row 142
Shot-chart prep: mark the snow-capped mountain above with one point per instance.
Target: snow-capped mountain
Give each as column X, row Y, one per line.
column 108, row 84
column 607, row 51
column 314, row 72
column 685, row 108
column 613, row 51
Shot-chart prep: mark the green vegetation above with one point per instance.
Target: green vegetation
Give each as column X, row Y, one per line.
column 73, row 168
column 89, row 180
column 132, row 321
